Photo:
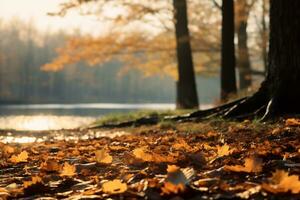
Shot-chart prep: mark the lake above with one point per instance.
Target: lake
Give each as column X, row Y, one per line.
column 63, row 116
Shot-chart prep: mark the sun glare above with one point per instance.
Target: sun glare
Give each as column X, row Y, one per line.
column 37, row 124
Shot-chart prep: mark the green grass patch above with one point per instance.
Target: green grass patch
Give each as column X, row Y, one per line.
column 123, row 117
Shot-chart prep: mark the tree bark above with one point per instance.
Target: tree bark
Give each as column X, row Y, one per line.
column 243, row 58
column 186, row 86
column 284, row 56
column 264, row 35
column 228, row 79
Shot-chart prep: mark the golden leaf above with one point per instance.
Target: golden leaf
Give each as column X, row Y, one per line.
column 252, row 164
column 282, row 182
column 141, row 153
column 172, row 168
column 34, row 180
column 223, row 150
column 114, row 187
column 68, row 170
column 22, row 157
column 102, row 156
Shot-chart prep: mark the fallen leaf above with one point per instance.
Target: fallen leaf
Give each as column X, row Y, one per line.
column 34, row 180
column 181, row 144
column 50, row 166
column 252, row 164
column 102, row 156
column 141, row 153
column 68, row 170
column 4, row 194
column 292, row 122
column 170, row 188
column 281, row 182
column 176, row 180
column 22, row 157
column 224, row 150
column 8, row 150
column 114, row 187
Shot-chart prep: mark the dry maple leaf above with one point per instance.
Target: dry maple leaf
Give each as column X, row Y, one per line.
column 292, row 122
column 224, row 150
column 114, row 187
column 50, row 166
column 102, row 156
column 22, row 157
column 252, row 164
column 68, row 170
column 282, row 182
column 34, row 180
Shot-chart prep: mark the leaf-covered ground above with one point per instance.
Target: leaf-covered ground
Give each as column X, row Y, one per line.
column 208, row 160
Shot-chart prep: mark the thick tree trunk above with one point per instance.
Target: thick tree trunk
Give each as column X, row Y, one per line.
column 243, row 58
column 186, row 85
column 284, row 56
column 228, row 79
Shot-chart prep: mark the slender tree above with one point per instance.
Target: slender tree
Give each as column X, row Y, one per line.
column 186, row 85
column 243, row 8
column 228, row 79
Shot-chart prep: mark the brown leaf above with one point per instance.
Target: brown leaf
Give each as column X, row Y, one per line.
column 34, row 180
column 50, row 166
column 292, row 122
column 176, row 180
column 170, row 188
column 252, row 164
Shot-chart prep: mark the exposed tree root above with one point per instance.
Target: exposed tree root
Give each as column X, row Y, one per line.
column 257, row 106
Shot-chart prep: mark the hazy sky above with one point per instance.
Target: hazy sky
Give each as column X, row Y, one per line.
column 36, row 11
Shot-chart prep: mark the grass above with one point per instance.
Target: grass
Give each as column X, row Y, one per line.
column 123, row 117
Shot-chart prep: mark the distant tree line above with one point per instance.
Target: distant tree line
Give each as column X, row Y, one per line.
column 24, row 50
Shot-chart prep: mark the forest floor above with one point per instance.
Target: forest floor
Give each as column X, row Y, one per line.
column 213, row 159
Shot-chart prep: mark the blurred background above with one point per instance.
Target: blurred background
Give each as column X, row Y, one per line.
column 85, row 59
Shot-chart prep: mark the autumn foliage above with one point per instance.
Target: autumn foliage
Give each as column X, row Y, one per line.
column 215, row 158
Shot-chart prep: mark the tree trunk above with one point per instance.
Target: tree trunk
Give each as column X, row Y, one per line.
column 280, row 92
column 264, row 35
column 186, row 87
column 243, row 59
column 284, row 56
column 228, row 79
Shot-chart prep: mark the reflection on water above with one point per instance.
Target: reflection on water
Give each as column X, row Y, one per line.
column 43, row 122
column 62, row 116
column 66, row 135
